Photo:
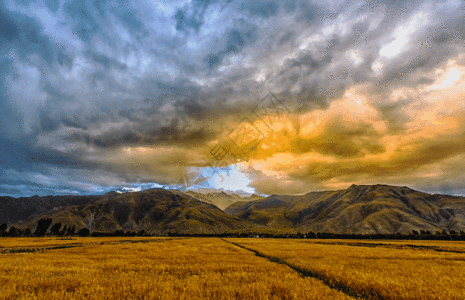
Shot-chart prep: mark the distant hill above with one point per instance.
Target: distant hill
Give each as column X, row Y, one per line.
column 222, row 199
column 363, row 209
column 13, row 210
column 157, row 211
column 213, row 191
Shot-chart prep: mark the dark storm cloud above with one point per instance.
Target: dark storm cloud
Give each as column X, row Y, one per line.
column 234, row 40
column 191, row 17
column 82, row 80
column 261, row 8
column 20, row 36
column 88, row 18
column 25, row 34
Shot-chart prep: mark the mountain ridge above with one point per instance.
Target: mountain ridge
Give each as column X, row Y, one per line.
column 156, row 211
column 359, row 209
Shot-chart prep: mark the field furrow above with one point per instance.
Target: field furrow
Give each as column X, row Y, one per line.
column 28, row 242
column 371, row 272
column 39, row 247
column 197, row 268
column 306, row 273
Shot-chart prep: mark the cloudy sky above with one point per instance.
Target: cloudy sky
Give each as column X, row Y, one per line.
column 261, row 96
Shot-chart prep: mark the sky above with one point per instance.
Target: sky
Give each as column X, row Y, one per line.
column 271, row 97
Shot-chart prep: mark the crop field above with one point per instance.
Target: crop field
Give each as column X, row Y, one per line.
column 16, row 245
column 230, row 268
column 374, row 270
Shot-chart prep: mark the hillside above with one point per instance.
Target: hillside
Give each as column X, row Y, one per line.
column 222, row 199
column 360, row 209
column 13, row 210
column 363, row 209
column 157, row 211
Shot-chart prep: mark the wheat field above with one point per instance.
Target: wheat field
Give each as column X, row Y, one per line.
column 213, row 268
column 390, row 270
column 196, row 268
column 33, row 244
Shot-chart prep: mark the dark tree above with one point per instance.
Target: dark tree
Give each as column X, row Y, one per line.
column 55, row 229
column 311, row 235
column 84, row 232
column 42, row 226
column 63, row 231
column 13, row 232
column 3, row 228
column 71, row 230
column 130, row 233
column 118, row 233
column 27, row 232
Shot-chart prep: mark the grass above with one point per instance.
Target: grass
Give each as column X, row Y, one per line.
column 197, row 268
column 212, row 268
column 30, row 245
column 441, row 246
column 376, row 272
column 6, row 242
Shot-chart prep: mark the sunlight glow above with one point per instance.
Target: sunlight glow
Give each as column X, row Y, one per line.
column 231, row 179
column 402, row 35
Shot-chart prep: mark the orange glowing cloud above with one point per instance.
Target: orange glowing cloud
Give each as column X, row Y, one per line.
column 349, row 142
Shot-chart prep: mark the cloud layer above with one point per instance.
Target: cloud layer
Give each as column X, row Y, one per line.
column 101, row 94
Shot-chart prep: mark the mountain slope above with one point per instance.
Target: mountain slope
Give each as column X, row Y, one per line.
column 157, row 211
column 221, row 199
column 13, row 210
column 359, row 209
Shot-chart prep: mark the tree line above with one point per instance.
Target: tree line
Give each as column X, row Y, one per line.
column 414, row 235
column 44, row 227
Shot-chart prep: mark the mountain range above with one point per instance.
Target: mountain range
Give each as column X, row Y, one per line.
column 359, row 209
column 362, row 209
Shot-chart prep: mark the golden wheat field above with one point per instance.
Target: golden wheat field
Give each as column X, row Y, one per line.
column 389, row 270
column 10, row 244
column 197, row 268
column 214, row 268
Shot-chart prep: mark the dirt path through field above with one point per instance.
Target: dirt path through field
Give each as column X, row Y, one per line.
column 191, row 268
column 333, row 284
